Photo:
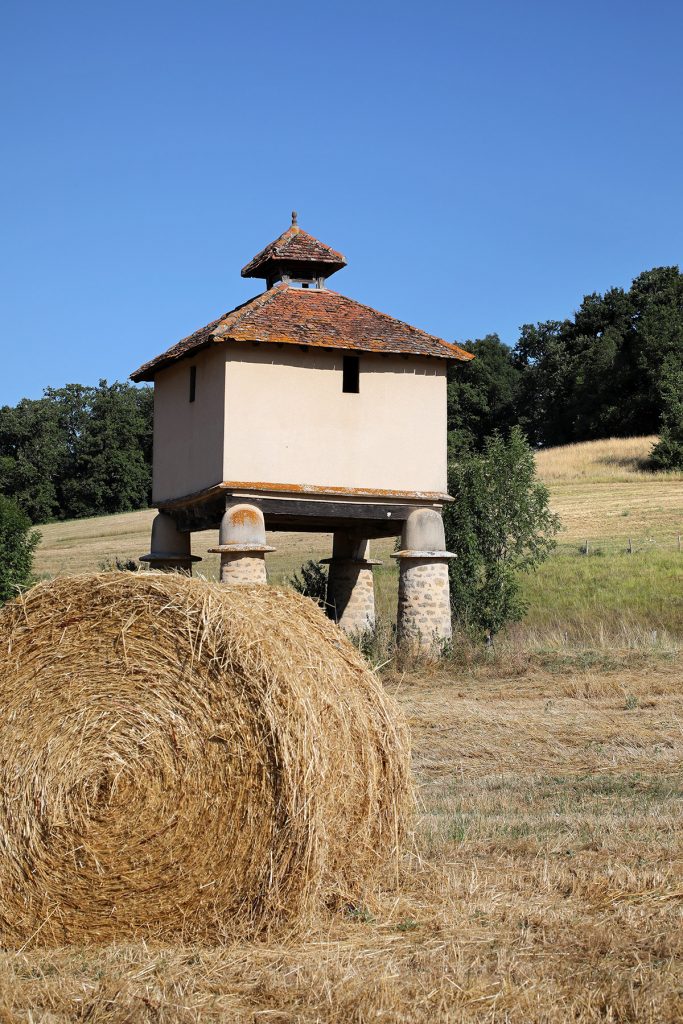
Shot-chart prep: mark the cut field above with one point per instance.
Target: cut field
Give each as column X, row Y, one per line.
column 544, row 882
column 599, row 489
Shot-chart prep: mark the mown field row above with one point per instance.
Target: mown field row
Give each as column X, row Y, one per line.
column 573, row 591
column 602, row 495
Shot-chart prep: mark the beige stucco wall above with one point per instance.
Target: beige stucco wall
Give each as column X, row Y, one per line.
column 188, row 436
column 288, row 421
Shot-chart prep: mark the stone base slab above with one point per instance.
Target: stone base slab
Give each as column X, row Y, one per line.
column 170, row 563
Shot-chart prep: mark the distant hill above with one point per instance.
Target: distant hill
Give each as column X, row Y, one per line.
column 580, row 478
column 613, row 459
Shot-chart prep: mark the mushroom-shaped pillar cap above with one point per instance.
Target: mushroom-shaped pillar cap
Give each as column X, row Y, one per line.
column 169, row 545
column 167, row 539
column 423, row 531
column 242, row 524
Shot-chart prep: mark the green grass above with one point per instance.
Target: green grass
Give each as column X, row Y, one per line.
column 574, row 590
column 597, row 489
column 581, row 594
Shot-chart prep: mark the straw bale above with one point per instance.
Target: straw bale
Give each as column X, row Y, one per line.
column 179, row 758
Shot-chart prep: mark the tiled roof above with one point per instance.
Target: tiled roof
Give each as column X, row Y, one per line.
column 320, row 318
column 294, row 246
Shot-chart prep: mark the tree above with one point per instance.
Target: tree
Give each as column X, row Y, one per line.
column 78, row 451
column 599, row 373
column 482, row 394
column 668, row 452
column 499, row 526
column 542, row 357
column 658, row 342
column 33, row 457
column 17, row 544
column 110, row 469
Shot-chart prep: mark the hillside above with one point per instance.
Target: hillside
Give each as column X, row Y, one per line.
column 599, row 489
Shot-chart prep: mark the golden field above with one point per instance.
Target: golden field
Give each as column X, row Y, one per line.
column 612, row 459
column 601, row 494
column 544, row 880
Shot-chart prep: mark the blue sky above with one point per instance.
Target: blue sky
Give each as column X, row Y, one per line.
column 480, row 165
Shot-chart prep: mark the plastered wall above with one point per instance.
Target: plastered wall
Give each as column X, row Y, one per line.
column 288, row 421
column 265, row 414
column 188, row 436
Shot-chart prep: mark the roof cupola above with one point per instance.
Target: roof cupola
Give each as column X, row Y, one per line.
column 295, row 258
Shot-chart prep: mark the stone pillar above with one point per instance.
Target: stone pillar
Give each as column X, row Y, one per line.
column 171, row 550
column 424, row 611
column 242, row 545
column 350, row 586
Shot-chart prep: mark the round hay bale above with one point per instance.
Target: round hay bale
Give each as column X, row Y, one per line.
column 179, row 758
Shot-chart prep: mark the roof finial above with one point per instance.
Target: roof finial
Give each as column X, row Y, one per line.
column 295, row 219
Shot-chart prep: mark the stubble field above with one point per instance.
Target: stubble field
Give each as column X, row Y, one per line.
column 544, row 881
column 602, row 495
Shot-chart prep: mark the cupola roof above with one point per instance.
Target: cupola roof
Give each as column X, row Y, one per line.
column 294, row 254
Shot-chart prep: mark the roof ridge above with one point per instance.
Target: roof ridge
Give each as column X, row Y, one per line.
column 208, row 331
column 279, row 246
column 291, row 232
column 221, row 318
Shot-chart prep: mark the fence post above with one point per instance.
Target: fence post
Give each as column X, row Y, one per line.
column 630, row 547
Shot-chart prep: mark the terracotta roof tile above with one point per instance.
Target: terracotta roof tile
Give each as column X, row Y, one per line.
column 309, row 316
column 294, row 246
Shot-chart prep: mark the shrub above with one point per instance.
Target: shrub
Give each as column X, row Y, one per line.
column 312, row 582
column 17, row 544
column 668, row 452
column 499, row 525
column 119, row 564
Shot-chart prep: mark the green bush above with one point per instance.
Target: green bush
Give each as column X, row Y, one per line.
column 668, row 452
column 17, row 544
column 312, row 582
column 119, row 564
column 499, row 525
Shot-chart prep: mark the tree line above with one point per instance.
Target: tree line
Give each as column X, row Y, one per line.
column 78, row 451
column 613, row 369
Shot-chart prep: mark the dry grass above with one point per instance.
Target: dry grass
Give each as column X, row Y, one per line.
column 612, row 459
column 182, row 759
column 545, row 885
column 648, row 513
column 84, row 545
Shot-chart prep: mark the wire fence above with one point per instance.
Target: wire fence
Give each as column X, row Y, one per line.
column 628, row 544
